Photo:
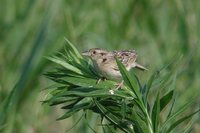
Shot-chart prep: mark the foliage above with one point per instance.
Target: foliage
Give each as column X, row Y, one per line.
column 127, row 108
column 34, row 29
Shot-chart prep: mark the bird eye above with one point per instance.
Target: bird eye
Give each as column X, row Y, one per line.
column 102, row 54
column 94, row 52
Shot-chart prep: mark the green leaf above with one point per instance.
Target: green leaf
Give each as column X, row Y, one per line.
column 74, row 110
column 83, row 104
column 65, row 65
column 155, row 113
column 73, row 49
column 187, row 128
column 72, row 104
column 130, row 81
column 148, row 86
column 171, row 108
column 166, row 99
column 139, row 122
column 88, row 82
column 59, row 100
column 94, row 92
column 172, row 117
column 178, row 122
column 111, row 117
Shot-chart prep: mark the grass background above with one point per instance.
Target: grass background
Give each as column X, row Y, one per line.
column 32, row 29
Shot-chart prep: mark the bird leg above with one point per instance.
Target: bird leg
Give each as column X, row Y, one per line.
column 119, row 85
column 100, row 79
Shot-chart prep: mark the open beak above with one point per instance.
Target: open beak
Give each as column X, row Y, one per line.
column 86, row 53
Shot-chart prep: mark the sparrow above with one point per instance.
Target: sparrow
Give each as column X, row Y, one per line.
column 105, row 64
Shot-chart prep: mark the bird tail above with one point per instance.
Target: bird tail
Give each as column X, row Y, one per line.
column 140, row 67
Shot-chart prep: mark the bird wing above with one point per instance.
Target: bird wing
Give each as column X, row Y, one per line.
column 127, row 57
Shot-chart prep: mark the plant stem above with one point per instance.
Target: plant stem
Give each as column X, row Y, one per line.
column 149, row 121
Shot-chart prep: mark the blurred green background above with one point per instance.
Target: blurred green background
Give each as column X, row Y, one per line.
column 31, row 29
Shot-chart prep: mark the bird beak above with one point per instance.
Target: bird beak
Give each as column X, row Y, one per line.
column 86, row 53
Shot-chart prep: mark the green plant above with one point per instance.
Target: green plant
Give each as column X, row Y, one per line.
column 127, row 109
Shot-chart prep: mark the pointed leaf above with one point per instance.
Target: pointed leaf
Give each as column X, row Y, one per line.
column 65, row 65
column 59, row 100
column 178, row 122
column 148, row 86
column 93, row 92
column 88, row 82
column 171, row 118
column 73, row 49
column 83, row 104
column 111, row 117
column 155, row 114
column 139, row 122
column 171, row 108
column 131, row 82
column 166, row 99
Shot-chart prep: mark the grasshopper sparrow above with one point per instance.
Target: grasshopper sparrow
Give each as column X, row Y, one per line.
column 105, row 64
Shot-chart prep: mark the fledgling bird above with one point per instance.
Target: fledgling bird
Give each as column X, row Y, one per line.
column 105, row 64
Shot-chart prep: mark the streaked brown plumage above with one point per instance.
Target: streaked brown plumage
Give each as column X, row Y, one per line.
column 105, row 64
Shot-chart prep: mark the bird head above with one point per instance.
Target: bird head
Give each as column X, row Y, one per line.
column 95, row 53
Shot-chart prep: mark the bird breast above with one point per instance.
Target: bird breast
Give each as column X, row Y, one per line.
column 106, row 69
